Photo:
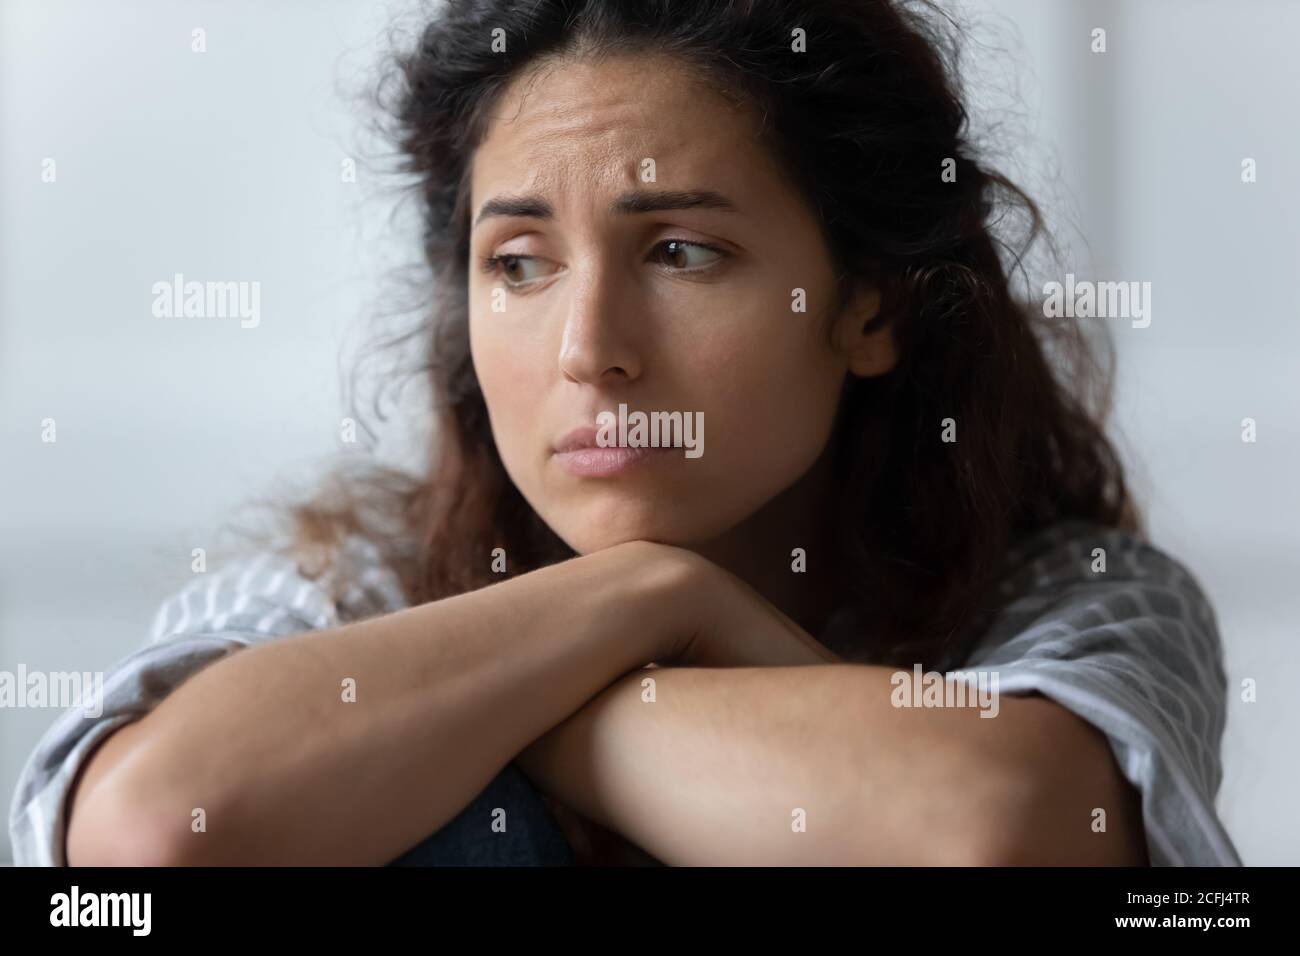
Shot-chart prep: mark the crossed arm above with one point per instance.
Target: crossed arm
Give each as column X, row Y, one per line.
column 812, row 765
column 759, row 745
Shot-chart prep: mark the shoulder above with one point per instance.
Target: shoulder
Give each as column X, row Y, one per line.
column 1121, row 633
column 252, row 599
column 1108, row 600
column 1078, row 567
column 279, row 591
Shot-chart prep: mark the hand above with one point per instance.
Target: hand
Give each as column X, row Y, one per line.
column 682, row 609
column 729, row 624
column 708, row 618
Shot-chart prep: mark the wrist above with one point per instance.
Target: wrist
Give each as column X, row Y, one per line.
column 657, row 596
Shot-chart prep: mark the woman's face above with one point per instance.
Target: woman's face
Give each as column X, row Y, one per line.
column 609, row 296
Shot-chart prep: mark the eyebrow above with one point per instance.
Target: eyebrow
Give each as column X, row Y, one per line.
column 535, row 207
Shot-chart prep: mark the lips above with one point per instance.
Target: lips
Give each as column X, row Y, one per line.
column 578, row 453
column 588, row 462
column 577, row 439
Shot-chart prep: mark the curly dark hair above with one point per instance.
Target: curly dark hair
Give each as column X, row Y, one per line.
column 862, row 122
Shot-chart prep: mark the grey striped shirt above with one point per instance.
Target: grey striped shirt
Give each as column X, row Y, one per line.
column 1134, row 650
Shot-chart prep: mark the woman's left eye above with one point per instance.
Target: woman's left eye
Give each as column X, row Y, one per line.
column 676, row 253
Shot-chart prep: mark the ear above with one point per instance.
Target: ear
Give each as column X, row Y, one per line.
column 865, row 337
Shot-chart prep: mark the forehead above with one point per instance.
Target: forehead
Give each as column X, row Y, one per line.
column 591, row 123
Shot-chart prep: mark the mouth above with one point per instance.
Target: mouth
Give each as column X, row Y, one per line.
column 596, row 462
column 578, row 454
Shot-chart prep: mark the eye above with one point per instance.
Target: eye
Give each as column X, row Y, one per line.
column 680, row 255
column 677, row 254
column 512, row 269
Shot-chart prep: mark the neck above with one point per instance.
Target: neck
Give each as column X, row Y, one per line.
column 759, row 549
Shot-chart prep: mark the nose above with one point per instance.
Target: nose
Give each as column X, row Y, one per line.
column 599, row 345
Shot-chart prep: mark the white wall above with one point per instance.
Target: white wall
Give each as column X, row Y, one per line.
column 226, row 165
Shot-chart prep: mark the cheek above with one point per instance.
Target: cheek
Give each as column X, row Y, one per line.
column 506, row 373
column 774, row 388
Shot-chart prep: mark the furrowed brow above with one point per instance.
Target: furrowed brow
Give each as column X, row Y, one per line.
column 535, row 207
column 684, row 199
column 530, row 206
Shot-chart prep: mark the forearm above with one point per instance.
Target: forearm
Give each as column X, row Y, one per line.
column 724, row 764
column 445, row 694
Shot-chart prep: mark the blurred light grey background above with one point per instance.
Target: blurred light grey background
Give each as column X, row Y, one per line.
column 227, row 165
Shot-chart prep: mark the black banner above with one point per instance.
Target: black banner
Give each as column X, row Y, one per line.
column 331, row 905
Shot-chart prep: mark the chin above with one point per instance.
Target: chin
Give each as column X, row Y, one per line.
column 604, row 524
column 586, row 536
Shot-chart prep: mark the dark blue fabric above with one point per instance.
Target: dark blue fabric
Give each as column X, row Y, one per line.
column 531, row 838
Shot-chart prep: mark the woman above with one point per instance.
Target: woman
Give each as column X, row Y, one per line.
column 765, row 217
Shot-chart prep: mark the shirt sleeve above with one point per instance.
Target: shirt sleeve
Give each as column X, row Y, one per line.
column 252, row 600
column 1122, row 635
